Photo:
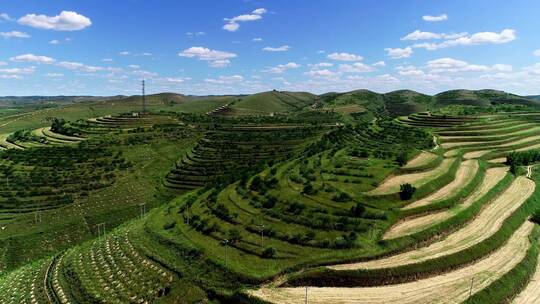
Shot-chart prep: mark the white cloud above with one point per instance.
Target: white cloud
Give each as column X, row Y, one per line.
column 18, row 71
column 5, row 17
column 220, row 63
column 85, row 68
column 356, row 67
column 191, row 34
column 320, row 73
column 379, row 64
column 345, row 57
column 2, row 63
column 107, row 60
column 505, row 36
column 257, row 39
column 124, row 53
column 537, row 53
column 231, row 27
column 175, row 79
column 410, row 71
column 32, row 58
column 54, row 42
column 11, row 76
column 398, row 53
column 54, row 75
column 320, row 65
column 233, row 24
column 451, row 65
column 65, row 21
column 419, row 35
column 283, row 68
column 438, row 18
column 216, row 58
column 225, row 79
column 282, row 48
column 14, row 34
column 144, row 54
column 321, row 51
column 134, row 66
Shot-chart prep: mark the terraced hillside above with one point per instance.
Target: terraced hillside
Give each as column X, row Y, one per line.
column 420, row 209
column 468, row 240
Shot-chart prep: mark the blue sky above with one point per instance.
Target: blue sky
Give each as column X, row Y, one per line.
column 74, row 47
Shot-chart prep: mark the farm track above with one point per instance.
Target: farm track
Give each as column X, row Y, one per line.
column 452, row 287
column 482, row 227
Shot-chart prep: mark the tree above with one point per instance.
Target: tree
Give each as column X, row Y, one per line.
column 358, row 210
column 268, row 253
column 401, row 159
column 406, row 191
column 234, row 236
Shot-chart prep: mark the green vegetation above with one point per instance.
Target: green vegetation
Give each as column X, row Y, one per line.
column 208, row 199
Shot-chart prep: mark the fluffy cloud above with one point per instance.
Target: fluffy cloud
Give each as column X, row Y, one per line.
column 320, row 73
column 233, row 24
column 282, row 48
column 54, row 75
column 320, row 65
column 124, row 53
column 134, row 66
column 283, row 67
column 32, row 58
column 65, row 21
column 419, row 35
column 356, row 67
column 379, row 64
column 398, row 53
column 107, row 60
column 505, row 36
column 225, row 79
column 18, row 71
column 451, row 65
column 14, row 34
column 257, row 39
column 214, row 57
column 438, row 18
column 85, row 68
column 5, row 17
column 54, row 41
column 537, row 53
column 345, row 57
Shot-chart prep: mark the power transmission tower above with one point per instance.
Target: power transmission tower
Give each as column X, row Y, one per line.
column 143, row 97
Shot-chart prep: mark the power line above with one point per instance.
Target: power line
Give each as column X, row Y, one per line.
column 143, row 97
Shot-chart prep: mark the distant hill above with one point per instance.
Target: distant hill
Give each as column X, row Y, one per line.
column 154, row 99
column 272, row 102
column 479, row 98
column 533, row 97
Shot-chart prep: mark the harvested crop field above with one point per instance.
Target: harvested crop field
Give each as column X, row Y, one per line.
column 483, row 226
column 452, row 287
column 421, row 159
column 464, row 175
column 392, row 184
column 414, row 224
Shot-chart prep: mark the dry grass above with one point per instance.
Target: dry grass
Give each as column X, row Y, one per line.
column 412, row 225
column 464, row 175
column 421, row 159
column 482, row 227
column 452, row 287
column 531, row 293
column 392, row 184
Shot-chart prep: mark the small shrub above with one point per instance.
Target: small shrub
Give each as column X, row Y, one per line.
column 169, row 225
